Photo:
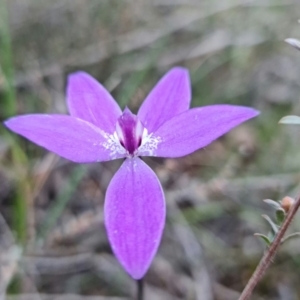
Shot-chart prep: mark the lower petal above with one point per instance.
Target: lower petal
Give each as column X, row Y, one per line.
column 135, row 216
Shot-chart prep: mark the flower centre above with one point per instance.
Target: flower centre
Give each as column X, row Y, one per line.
column 129, row 130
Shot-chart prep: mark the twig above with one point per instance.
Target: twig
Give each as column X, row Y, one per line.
column 269, row 255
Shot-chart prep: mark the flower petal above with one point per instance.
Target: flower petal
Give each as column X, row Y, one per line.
column 69, row 137
column 88, row 100
column 196, row 128
column 170, row 96
column 134, row 216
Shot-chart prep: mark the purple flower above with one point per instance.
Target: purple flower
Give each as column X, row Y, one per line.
column 97, row 130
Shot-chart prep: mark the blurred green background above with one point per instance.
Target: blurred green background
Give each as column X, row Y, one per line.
column 52, row 238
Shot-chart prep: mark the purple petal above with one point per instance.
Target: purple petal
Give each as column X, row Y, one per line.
column 170, row 97
column 197, row 128
column 69, row 137
column 88, row 100
column 134, row 216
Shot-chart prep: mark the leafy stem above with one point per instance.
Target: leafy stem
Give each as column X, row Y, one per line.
column 270, row 253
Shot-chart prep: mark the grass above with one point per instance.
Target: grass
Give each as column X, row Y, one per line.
column 8, row 109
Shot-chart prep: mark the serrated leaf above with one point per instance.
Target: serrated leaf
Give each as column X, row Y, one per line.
column 292, row 120
column 264, row 238
column 293, row 42
column 290, row 236
column 272, row 224
column 272, row 203
column 280, row 215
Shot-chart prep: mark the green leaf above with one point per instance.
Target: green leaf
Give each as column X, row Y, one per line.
column 280, row 215
column 290, row 120
column 293, row 42
column 290, row 236
column 271, row 236
column 272, row 224
column 264, row 238
column 272, row 203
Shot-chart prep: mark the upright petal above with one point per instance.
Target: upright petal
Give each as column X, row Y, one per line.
column 134, row 216
column 196, row 128
column 170, row 97
column 129, row 130
column 88, row 100
column 69, row 137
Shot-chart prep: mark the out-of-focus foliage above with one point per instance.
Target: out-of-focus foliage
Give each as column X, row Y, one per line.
column 52, row 235
column 290, row 120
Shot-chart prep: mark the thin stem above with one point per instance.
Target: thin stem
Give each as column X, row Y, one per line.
column 140, row 289
column 269, row 255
